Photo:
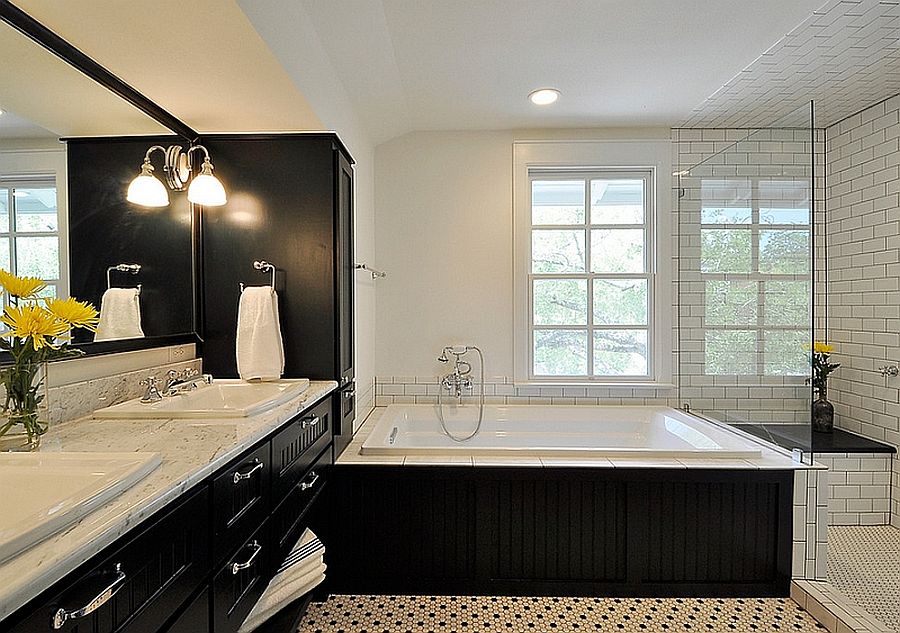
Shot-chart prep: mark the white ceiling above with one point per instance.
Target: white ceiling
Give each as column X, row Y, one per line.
column 405, row 65
column 201, row 60
column 469, row 64
column 16, row 127
column 43, row 96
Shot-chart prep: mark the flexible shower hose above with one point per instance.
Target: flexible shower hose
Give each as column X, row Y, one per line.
column 480, row 405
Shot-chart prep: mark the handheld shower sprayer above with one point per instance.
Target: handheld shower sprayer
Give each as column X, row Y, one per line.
column 458, row 382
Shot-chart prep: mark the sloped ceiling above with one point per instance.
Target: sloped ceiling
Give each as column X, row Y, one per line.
column 201, row 60
column 845, row 57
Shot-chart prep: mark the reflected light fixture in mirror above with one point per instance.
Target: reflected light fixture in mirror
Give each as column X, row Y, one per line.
column 148, row 191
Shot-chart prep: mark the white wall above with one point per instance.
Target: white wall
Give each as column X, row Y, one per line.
column 443, row 229
column 287, row 28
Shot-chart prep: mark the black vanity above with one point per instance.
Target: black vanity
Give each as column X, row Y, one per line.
column 200, row 563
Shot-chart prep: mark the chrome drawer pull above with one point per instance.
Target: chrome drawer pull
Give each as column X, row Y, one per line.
column 349, row 393
column 307, row 486
column 236, row 567
column 62, row 616
column 310, row 422
column 256, row 466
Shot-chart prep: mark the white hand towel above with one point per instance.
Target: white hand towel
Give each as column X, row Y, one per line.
column 260, row 353
column 120, row 315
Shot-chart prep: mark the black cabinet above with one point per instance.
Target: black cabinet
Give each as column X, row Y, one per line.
column 138, row 586
column 290, row 202
column 201, row 565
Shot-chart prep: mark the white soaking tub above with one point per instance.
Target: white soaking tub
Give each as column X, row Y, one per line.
column 556, row 431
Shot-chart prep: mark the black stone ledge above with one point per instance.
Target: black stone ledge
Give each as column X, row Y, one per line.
column 798, row 436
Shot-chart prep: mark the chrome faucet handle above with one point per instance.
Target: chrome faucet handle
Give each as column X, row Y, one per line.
column 152, row 394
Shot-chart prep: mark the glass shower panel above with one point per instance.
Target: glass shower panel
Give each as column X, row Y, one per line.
column 745, row 205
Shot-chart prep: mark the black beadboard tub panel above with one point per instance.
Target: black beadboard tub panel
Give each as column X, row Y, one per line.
column 559, row 531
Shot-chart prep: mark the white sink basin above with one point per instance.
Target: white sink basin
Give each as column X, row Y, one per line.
column 43, row 493
column 221, row 399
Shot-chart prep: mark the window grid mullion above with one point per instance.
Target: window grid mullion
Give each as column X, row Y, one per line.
column 13, row 243
column 759, row 359
column 590, row 277
column 589, row 343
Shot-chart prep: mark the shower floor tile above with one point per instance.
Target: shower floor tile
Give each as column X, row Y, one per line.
column 864, row 565
column 465, row 614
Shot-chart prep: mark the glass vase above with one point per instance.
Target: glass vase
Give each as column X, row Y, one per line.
column 26, row 413
column 822, row 415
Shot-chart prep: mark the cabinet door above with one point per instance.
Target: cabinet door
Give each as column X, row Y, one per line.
column 195, row 618
column 345, row 268
column 138, row 587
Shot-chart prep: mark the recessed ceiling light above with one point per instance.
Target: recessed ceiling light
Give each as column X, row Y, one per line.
column 544, row 96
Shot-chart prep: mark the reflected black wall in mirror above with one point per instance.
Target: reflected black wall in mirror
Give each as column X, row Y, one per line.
column 105, row 230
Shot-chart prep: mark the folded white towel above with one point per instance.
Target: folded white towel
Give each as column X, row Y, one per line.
column 273, row 602
column 299, row 574
column 260, row 353
column 120, row 315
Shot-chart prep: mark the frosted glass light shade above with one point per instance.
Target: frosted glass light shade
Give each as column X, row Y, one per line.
column 206, row 189
column 147, row 191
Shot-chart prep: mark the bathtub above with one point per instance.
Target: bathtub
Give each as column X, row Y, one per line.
column 556, row 431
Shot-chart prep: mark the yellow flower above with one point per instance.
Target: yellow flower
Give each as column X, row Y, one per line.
column 74, row 313
column 23, row 287
column 822, row 348
column 34, row 322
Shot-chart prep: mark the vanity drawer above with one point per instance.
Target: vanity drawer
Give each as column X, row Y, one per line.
column 239, row 583
column 240, row 499
column 297, row 445
column 136, row 589
column 286, row 521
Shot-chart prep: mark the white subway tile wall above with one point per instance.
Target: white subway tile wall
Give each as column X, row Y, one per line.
column 859, row 488
column 863, row 258
column 810, row 521
column 501, row 390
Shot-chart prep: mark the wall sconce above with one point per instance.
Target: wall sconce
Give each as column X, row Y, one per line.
column 147, row 190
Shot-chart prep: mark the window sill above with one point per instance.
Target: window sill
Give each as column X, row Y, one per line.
column 603, row 385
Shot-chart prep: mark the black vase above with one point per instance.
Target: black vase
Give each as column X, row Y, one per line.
column 822, row 415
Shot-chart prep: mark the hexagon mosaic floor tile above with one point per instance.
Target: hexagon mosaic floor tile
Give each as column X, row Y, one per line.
column 864, row 565
column 480, row 614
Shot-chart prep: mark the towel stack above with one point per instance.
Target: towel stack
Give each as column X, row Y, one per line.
column 120, row 315
column 260, row 352
column 301, row 572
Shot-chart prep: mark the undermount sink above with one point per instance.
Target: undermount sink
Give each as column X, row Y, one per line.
column 43, row 493
column 221, row 399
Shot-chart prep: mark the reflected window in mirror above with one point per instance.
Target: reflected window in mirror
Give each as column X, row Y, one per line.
column 30, row 231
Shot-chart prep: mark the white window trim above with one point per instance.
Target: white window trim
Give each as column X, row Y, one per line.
column 654, row 155
column 30, row 163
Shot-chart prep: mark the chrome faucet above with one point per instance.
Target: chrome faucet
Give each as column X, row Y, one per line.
column 187, row 380
column 152, row 394
column 458, row 382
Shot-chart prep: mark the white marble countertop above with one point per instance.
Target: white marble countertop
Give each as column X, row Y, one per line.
column 191, row 450
column 771, row 458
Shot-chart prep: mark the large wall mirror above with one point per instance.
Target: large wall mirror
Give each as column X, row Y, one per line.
column 63, row 213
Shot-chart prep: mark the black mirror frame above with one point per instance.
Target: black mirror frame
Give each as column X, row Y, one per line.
column 50, row 41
